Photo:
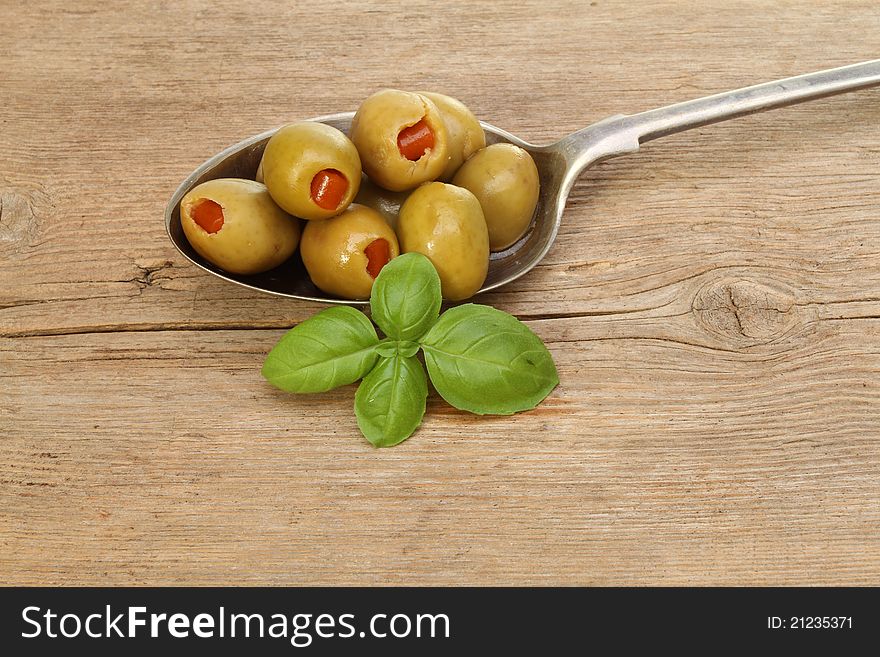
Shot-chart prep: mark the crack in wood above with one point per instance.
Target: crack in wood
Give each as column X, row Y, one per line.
column 24, row 303
column 144, row 328
column 736, row 316
column 279, row 325
column 586, row 313
column 147, row 276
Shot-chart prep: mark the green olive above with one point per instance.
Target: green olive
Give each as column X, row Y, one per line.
column 236, row 225
column 401, row 138
column 466, row 135
column 312, row 170
column 446, row 224
column 505, row 180
column 385, row 202
column 345, row 253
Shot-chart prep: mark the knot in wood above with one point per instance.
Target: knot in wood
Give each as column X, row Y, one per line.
column 745, row 310
column 18, row 222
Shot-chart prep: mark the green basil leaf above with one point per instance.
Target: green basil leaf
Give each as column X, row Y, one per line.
column 485, row 361
column 390, row 401
column 406, row 298
column 331, row 349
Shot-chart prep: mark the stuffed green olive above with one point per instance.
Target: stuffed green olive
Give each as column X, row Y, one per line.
column 236, row 225
column 344, row 254
column 401, row 139
column 312, row 170
column 466, row 135
column 504, row 179
column 446, row 224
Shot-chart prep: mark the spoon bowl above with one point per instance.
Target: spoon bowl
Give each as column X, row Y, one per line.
column 290, row 279
column 558, row 164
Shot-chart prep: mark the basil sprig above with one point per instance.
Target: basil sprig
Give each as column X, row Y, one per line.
column 479, row 359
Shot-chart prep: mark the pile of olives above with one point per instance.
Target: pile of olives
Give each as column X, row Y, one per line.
column 415, row 175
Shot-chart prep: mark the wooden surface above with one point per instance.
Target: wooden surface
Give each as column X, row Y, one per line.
column 712, row 302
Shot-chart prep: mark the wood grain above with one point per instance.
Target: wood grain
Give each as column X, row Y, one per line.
column 713, row 304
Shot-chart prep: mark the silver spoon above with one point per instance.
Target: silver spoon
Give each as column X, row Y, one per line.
column 559, row 166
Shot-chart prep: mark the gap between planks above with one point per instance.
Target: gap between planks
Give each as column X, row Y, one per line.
column 175, row 327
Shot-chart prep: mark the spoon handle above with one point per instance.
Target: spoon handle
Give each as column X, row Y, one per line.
column 621, row 134
column 731, row 104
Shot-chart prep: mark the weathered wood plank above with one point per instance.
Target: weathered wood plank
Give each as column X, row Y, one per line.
column 792, row 188
column 163, row 457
